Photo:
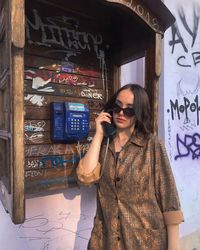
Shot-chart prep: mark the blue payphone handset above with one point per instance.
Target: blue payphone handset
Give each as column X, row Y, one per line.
column 69, row 122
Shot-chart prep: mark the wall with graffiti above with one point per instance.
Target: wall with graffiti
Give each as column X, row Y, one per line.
column 182, row 112
column 65, row 60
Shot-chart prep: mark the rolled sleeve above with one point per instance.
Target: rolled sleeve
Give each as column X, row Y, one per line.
column 173, row 217
column 89, row 178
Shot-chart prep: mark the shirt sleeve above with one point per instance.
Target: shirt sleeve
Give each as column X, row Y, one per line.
column 165, row 187
column 89, row 178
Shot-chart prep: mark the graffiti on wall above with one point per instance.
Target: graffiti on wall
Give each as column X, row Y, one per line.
column 35, row 99
column 169, row 138
column 62, row 35
column 179, row 39
column 52, row 157
column 178, row 110
column 55, row 149
column 31, row 126
column 188, row 146
column 64, row 32
column 55, row 36
column 54, row 161
column 58, row 77
column 184, row 110
column 184, row 45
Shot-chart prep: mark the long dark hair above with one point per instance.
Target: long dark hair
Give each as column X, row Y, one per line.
column 141, row 105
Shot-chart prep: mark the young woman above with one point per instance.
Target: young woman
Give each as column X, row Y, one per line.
column 137, row 202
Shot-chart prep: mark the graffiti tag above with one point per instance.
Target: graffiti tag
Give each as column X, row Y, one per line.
column 57, row 161
column 178, row 39
column 183, row 110
column 31, row 126
column 57, row 31
column 190, row 145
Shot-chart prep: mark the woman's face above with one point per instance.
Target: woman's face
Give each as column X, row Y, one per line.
column 125, row 99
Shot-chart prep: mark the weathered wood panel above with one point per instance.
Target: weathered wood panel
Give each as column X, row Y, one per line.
column 67, row 36
column 52, row 162
column 55, row 149
column 61, row 90
column 37, row 138
column 36, row 125
column 3, row 24
column 46, row 174
column 4, row 162
column 43, row 113
column 5, row 108
column 2, row 156
column 4, row 79
column 42, row 137
column 5, row 105
column 45, row 100
column 39, row 62
column 62, row 182
column 44, row 125
column 4, row 40
column 38, row 76
column 67, row 61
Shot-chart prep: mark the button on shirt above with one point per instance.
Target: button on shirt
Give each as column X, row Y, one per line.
column 134, row 209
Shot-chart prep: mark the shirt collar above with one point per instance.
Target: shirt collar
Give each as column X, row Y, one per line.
column 138, row 138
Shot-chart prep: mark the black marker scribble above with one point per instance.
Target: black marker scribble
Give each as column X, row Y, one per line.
column 44, row 230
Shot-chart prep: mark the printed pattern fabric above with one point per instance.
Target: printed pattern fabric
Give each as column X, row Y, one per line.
column 136, row 197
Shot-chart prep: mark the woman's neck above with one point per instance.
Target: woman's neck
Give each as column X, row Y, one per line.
column 124, row 134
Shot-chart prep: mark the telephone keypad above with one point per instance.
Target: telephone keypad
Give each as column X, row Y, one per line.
column 77, row 124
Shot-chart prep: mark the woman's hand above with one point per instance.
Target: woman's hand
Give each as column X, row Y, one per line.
column 91, row 159
column 102, row 117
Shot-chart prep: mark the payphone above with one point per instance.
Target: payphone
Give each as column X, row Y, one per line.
column 69, row 122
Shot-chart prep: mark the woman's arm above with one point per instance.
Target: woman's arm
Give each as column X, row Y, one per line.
column 173, row 237
column 167, row 195
column 91, row 158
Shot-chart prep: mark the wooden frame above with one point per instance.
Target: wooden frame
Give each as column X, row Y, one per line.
column 27, row 62
column 153, row 71
column 12, row 79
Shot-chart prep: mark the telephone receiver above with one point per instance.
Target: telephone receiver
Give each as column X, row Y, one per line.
column 109, row 128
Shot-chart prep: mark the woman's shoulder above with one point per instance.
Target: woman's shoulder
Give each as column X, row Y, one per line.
column 155, row 140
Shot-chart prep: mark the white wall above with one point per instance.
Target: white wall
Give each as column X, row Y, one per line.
column 133, row 72
column 54, row 221
column 181, row 83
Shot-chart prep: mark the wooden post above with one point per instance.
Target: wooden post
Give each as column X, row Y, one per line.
column 17, row 85
column 116, row 79
column 153, row 71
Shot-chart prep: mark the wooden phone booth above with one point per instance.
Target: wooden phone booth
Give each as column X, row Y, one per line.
column 65, row 51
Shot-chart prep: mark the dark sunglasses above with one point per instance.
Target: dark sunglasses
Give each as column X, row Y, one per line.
column 129, row 112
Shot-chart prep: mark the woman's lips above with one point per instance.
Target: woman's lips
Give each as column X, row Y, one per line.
column 120, row 120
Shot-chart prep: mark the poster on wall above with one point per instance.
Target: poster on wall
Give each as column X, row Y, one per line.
column 182, row 111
